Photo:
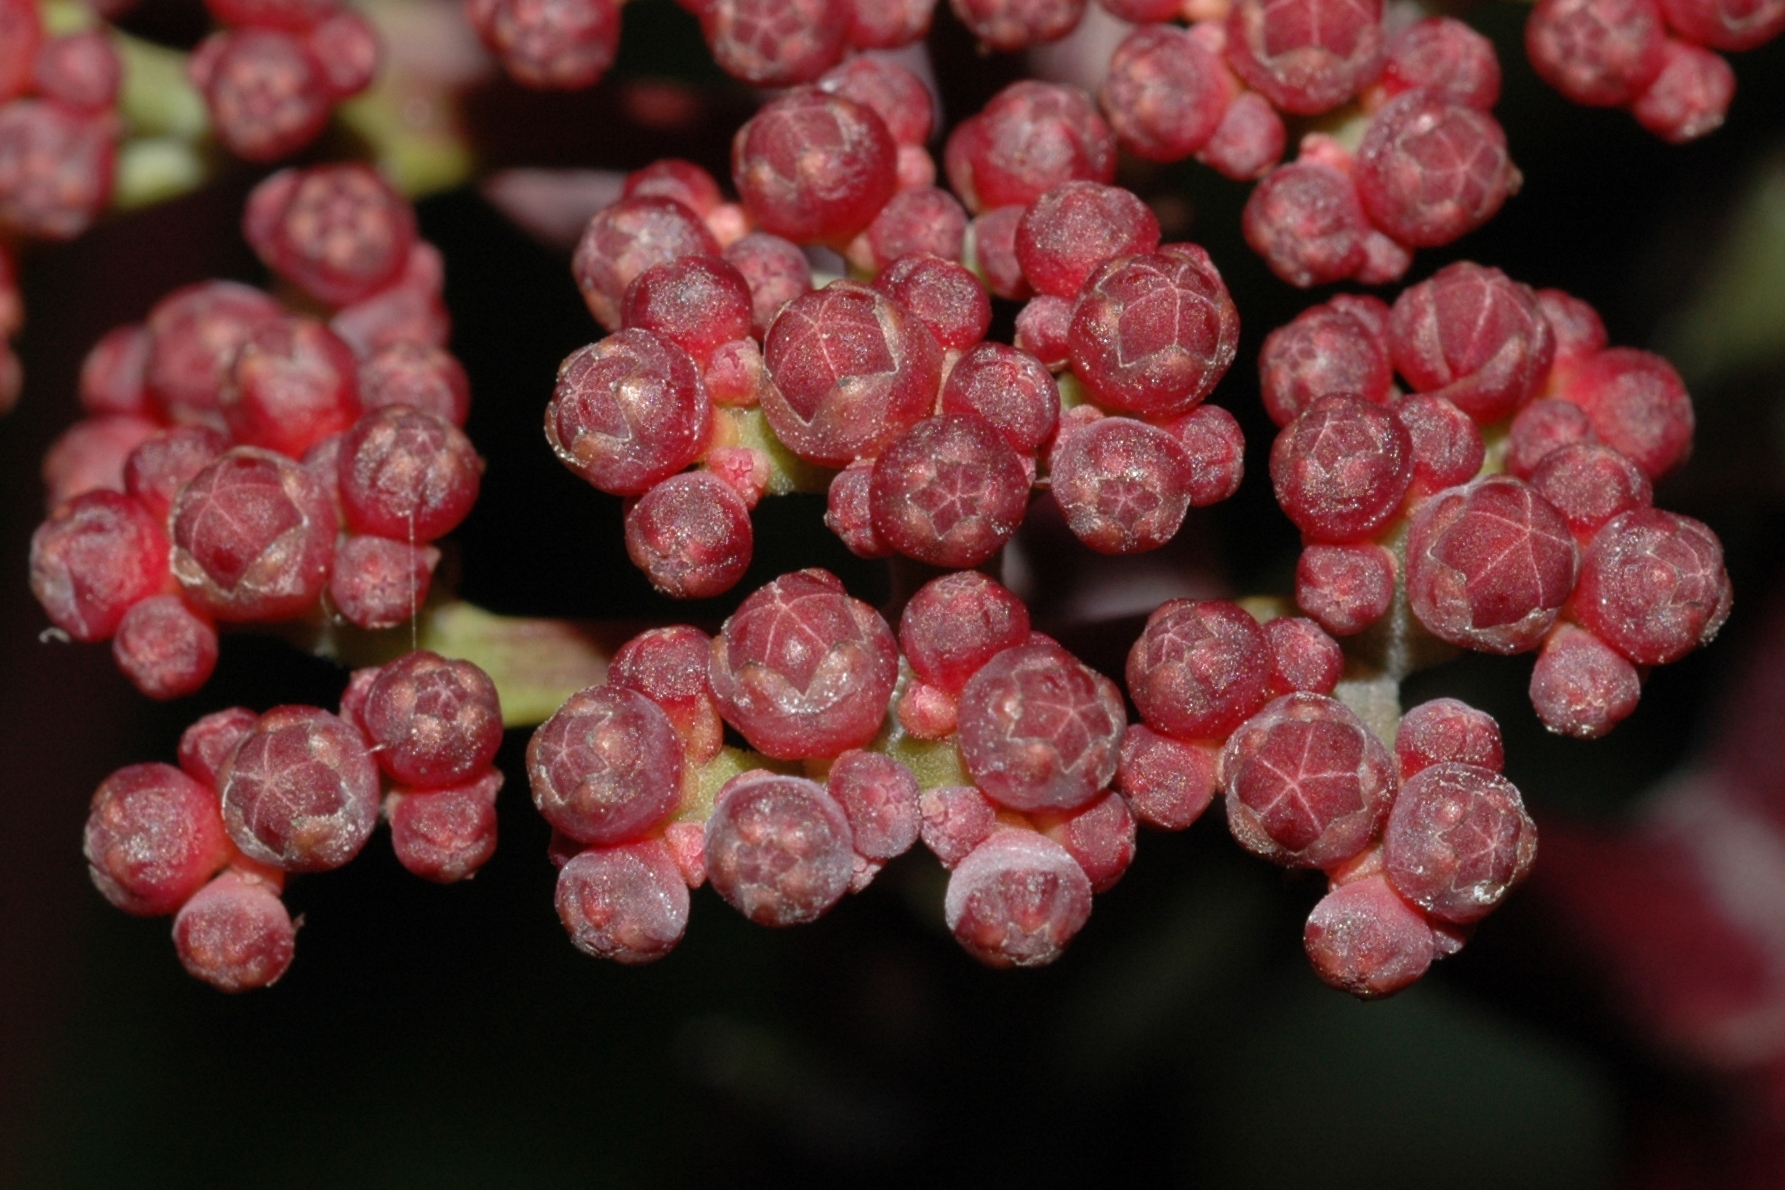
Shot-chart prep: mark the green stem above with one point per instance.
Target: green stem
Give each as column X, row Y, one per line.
column 535, row 663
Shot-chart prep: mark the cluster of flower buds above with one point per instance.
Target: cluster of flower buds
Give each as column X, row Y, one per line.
column 1014, row 764
column 991, row 743
column 1549, row 540
column 1658, row 58
column 1416, row 849
column 58, row 126
column 58, row 133
column 241, row 463
column 273, row 76
column 928, row 438
column 1427, row 166
column 259, row 797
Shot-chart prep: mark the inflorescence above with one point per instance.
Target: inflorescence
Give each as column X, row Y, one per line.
column 1471, row 467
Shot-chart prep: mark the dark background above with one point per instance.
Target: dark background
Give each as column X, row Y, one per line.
column 452, row 1036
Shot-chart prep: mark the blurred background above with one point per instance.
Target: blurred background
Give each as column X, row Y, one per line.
column 1621, row 1023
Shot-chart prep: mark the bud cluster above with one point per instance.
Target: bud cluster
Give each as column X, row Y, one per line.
column 257, row 798
column 241, row 463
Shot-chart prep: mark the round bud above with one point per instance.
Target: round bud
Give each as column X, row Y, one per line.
column 1446, row 731
column 1341, row 469
column 235, row 933
column 1690, row 96
column 195, row 333
column 848, row 512
column 667, row 666
column 1541, row 427
column 879, row 798
column 153, row 837
column 1364, row 939
column 606, row 767
column 445, row 835
column 1447, row 446
column 1307, row 222
column 1007, row 26
column 1430, row 172
column 1603, row 53
column 776, row 271
column 1305, row 56
column 96, row 556
column 1331, row 349
column 1307, row 783
column 1011, row 390
column 266, row 91
column 1165, row 92
column 1638, row 406
column 1581, row 686
column 1121, row 484
column 1017, row 899
column 407, row 474
column 418, row 375
column 691, row 536
column 624, row 240
column 628, row 412
column 956, row 819
column 1444, row 55
column 1473, row 336
column 1200, row 668
column 562, row 46
column 56, row 168
column 851, row 369
column 775, row 43
column 300, row 792
column 696, row 302
column 432, row 722
column 1249, row 140
column 1489, row 565
column 1345, row 588
column 1303, row 657
column 942, row 295
column 1653, row 586
column 814, row 167
column 166, row 649
column 956, row 623
column 803, row 670
column 379, row 582
column 921, row 219
column 949, row 492
column 778, row 848
column 1100, row 839
column 1040, row 730
column 1152, row 335
column 338, row 232
column 627, row 903
column 1076, row 226
column 1457, row 839
column 253, row 537
column 1590, row 484
column 1031, row 137
column 293, row 383
column 1168, row 782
